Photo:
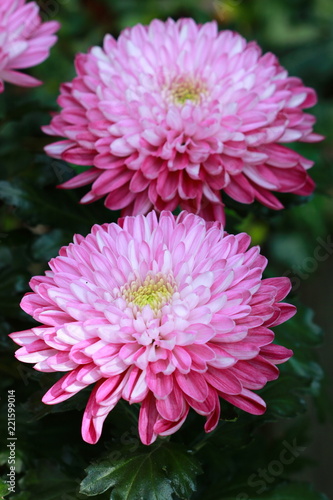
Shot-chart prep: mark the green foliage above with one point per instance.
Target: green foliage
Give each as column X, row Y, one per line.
column 290, row 492
column 47, row 482
column 285, row 492
column 3, row 488
column 153, row 473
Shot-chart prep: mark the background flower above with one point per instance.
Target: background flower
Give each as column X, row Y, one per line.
column 24, row 41
column 171, row 314
column 174, row 112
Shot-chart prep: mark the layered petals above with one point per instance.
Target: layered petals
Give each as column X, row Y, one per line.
column 172, row 113
column 170, row 313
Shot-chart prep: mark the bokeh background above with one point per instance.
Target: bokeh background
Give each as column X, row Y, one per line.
column 36, row 219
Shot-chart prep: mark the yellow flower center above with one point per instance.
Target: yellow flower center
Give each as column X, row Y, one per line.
column 187, row 90
column 155, row 291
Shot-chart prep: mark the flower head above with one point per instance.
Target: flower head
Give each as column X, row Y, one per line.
column 24, row 41
column 174, row 112
column 169, row 313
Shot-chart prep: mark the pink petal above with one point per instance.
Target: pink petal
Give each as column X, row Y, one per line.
column 192, row 384
column 147, row 419
column 247, row 401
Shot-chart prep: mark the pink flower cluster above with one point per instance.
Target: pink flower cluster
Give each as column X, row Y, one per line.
column 172, row 113
column 171, row 313
column 24, row 41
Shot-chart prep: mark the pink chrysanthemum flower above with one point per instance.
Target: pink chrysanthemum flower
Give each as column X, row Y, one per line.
column 172, row 113
column 24, row 41
column 169, row 313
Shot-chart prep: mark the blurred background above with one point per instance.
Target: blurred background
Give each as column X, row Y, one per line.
column 298, row 241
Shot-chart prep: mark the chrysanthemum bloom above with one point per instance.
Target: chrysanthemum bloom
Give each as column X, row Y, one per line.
column 24, row 41
column 172, row 314
column 172, row 113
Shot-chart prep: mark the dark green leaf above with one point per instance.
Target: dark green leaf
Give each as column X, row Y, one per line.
column 47, row 482
column 282, row 403
column 36, row 205
column 152, row 473
column 300, row 330
column 47, row 245
column 3, row 488
column 37, row 410
column 291, row 492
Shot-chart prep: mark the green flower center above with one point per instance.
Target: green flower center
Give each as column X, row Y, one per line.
column 187, row 90
column 155, row 291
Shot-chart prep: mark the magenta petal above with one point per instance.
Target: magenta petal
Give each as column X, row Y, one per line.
column 165, row 427
column 276, row 353
column 172, row 407
column 161, row 385
column 213, row 419
column 20, row 79
column 240, row 189
column 286, row 311
column 207, row 406
column 119, row 199
column 193, row 384
column 106, row 388
column 147, row 418
column 81, row 179
column 282, row 285
column 91, row 424
column 136, row 388
column 182, row 359
column 226, row 383
column 247, row 401
column 65, row 388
